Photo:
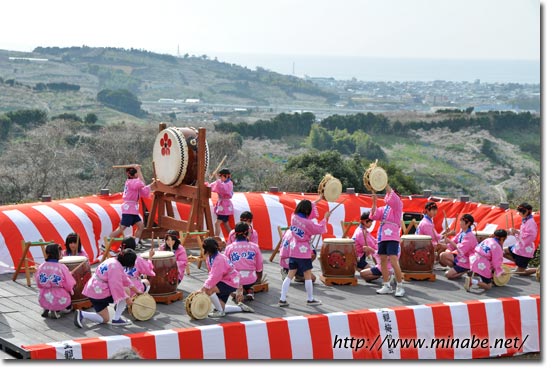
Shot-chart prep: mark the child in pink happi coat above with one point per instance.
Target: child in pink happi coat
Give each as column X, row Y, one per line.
column 55, row 283
column 108, row 285
column 173, row 243
column 486, row 261
column 223, row 186
column 524, row 249
column 222, row 281
column 142, row 268
column 246, row 258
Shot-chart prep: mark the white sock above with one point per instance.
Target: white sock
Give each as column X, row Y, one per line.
column 309, row 289
column 399, row 285
column 94, row 317
column 121, row 305
column 216, row 302
column 232, row 309
column 285, row 288
column 474, row 282
column 137, row 240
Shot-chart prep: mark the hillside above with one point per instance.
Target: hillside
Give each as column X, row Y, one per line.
column 149, row 75
column 487, row 165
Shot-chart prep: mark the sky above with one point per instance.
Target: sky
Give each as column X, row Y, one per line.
column 456, row 29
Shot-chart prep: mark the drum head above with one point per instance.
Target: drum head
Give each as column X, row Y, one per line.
column 143, row 307
column 415, row 237
column 72, row 259
column 378, row 178
column 332, row 190
column 158, row 254
column 338, row 240
column 504, row 278
column 170, row 156
column 198, row 305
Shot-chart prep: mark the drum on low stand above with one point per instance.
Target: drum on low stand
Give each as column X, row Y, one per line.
column 198, row 305
column 338, row 262
column 143, row 307
column 481, row 236
column 175, row 155
column 163, row 286
column 81, row 271
column 417, row 257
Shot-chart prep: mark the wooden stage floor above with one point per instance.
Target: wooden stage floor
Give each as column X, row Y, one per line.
column 21, row 322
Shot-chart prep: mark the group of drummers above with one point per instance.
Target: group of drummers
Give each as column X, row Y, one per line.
column 233, row 271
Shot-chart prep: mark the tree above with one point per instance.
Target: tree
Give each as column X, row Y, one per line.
column 121, row 100
column 90, row 118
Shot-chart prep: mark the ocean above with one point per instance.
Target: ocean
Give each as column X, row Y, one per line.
column 390, row 69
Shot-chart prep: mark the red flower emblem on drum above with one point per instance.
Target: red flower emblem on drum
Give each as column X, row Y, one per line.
column 172, row 276
column 421, row 256
column 165, row 143
column 336, row 259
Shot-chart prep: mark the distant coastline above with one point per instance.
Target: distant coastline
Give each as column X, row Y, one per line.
column 392, row 69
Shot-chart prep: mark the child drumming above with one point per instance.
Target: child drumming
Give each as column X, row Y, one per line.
column 524, row 249
column 487, row 258
column 223, row 186
column 222, row 281
column 74, row 246
column 55, row 283
column 302, row 228
column 106, row 286
column 245, row 217
column 364, row 241
column 141, row 268
column 246, row 258
column 459, row 249
column 388, row 237
column 173, row 243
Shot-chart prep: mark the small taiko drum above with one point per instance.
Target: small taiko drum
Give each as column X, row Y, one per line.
column 417, row 254
column 143, row 307
column 481, row 236
column 504, row 278
column 338, row 257
column 175, row 156
column 375, row 178
column 166, row 273
column 330, row 187
column 198, row 305
column 81, row 271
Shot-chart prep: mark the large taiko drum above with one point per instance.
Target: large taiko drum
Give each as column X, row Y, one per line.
column 417, row 254
column 81, row 271
column 338, row 257
column 166, row 273
column 175, row 156
column 481, row 236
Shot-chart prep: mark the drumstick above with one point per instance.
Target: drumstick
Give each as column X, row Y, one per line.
column 152, row 241
column 512, row 224
column 144, row 306
column 126, row 165
column 340, row 203
column 218, row 167
column 78, row 267
column 507, row 225
column 446, row 225
column 154, row 169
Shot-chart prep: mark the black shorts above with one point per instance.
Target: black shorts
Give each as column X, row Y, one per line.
column 225, row 291
column 520, row 261
column 375, row 271
column 457, row 268
column 223, row 218
column 362, row 263
column 130, row 219
column 484, row 279
column 302, row 265
column 388, row 248
column 101, row 304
